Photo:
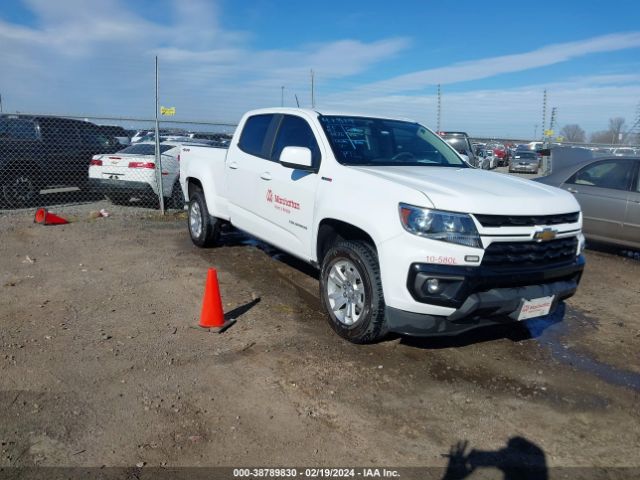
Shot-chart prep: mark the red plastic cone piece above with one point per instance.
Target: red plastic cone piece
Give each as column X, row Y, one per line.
column 212, row 315
column 45, row 217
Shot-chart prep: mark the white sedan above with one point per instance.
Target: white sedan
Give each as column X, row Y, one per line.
column 132, row 172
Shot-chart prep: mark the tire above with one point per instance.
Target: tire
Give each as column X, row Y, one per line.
column 353, row 263
column 19, row 190
column 119, row 198
column 204, row 229
column 176, row 200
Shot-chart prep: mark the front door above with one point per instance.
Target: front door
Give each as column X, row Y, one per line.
column 288, row 195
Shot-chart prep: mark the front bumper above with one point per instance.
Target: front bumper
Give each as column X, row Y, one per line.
column 480, row 295
column 524, row 168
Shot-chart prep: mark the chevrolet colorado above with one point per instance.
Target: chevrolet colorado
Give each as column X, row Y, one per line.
column 408, row 237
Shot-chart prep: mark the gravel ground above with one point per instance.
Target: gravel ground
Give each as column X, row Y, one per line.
column 103, row 363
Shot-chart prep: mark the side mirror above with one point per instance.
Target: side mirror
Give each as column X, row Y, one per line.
column 298, row 158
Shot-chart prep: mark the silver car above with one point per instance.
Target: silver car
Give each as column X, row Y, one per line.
column 608, row 190
column 524, row 161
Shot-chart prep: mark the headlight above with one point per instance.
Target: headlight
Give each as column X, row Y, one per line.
column 436, row 225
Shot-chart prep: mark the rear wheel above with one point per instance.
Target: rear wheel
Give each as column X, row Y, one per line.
column 203, row 228
column 351, row 292
column 19, row 190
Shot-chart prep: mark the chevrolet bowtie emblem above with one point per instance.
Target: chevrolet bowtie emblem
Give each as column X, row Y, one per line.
column 545, row 235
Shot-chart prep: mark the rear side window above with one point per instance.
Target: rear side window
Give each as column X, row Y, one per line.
column 295, row 132
column 614, row 174
column 18, row 129
column 254, row 134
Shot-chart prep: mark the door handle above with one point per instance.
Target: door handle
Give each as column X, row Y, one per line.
column 266, row 176
column 233, row 165
column 572, row 190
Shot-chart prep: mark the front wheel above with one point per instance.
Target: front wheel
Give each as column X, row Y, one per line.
column 351, row 292
column 203, row 229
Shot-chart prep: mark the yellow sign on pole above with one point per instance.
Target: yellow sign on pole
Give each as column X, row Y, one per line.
column 548, row 133
column 560, row 138
column 167, row 111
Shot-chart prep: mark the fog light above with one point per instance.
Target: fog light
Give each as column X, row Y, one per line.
column 433, row 285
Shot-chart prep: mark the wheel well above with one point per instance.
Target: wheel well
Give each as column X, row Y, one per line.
column 17, row 166
column 194, row 185
column 331, row 231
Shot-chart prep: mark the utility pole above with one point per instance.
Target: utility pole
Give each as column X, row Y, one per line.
column 544, row 112
column 282, row 96
column 297, row 101
column 535, row 132
column 158, row 156
column 313, row 92
column 0, row 103
column 439, row 108
column 552, row 122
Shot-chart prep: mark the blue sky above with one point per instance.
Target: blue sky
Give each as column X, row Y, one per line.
column 220, row 58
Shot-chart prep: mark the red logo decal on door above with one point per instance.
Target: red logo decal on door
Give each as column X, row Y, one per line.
column 269, row 196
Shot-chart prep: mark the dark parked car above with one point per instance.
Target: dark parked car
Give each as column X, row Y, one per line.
column 40, row 151
column 119, row 133
column 608, row 190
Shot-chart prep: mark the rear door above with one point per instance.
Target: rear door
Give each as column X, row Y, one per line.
column 62, row 143
column 245, row 162
column 631, row 227
column 602, row 189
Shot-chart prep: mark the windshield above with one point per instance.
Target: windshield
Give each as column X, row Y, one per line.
column 381, row 142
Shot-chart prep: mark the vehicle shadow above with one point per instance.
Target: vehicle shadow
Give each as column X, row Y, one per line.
column 514, row 331
column 618, row 251
column 236, row 238
column 520, row 459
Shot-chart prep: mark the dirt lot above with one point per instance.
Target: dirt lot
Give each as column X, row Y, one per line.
column 102, row 362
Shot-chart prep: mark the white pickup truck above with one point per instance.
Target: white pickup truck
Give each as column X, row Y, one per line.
column 408, row 237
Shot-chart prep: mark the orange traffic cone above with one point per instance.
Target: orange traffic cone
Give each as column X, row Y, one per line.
column 212, row 315
column 44, row 217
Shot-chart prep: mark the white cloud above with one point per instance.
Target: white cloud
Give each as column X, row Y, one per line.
column 490, row 67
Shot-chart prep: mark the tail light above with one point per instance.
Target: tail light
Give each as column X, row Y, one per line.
column 95, row 162
column 151, row 165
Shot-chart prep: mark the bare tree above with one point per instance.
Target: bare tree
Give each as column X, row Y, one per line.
column 603, row 136
column 616, row 127
column 573, row 133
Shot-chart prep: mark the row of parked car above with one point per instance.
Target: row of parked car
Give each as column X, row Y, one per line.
column 41, row 152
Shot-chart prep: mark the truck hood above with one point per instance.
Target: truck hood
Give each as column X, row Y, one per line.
column 471, row 190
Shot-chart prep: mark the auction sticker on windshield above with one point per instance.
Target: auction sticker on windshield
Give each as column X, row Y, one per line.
column 536, row 307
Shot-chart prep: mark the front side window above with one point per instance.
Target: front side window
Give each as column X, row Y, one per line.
column 614, row 174
column 381, row 142
column 254, row 134
column 295, row 132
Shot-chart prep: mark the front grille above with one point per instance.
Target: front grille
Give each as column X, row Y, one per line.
column 526, row 220
column 530, row 253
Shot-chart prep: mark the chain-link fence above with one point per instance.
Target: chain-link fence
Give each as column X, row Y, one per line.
column 54, row 160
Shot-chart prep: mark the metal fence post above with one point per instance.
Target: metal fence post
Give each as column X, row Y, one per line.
column 158, row 155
